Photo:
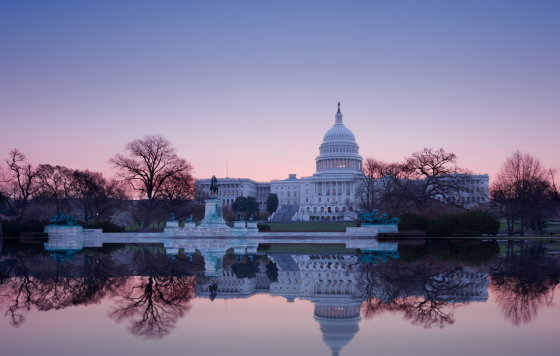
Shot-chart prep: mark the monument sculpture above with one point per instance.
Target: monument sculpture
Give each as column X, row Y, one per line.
column 213, row 217
column 172, row 217
column 382, row 223
column 368, row 218
column 214, row 187
column 62, row 220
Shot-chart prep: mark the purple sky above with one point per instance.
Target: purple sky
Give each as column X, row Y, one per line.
column 256, row 83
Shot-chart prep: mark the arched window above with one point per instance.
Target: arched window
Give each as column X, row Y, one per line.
column 322, row 209
column 314, row 210
column 336, row 209
column 330, row 211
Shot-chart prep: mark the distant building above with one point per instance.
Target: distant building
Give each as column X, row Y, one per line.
column 331, row 190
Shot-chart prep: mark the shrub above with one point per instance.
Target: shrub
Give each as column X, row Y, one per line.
column 473, row 252
column 328, row 218
column 247, row 269
column 272, row 272
column 466, row 223
column 14, row 229
column 322, row 218
column 264, row 227
column 411, row 221
column 264, row 215
column 107, row 226
column 263, row 247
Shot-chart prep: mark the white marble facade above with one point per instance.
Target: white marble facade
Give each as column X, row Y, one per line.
column 331, row 190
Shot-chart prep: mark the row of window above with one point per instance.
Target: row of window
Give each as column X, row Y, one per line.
column 339, row 149
column 338, row 163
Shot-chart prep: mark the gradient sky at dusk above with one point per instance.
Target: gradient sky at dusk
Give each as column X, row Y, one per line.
column 256, row 83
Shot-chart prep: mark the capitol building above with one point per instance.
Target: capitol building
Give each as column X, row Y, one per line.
column 330, row 191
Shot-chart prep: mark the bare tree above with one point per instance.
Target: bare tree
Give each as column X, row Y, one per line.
column 519, row 188
column 426, row 179
column 22, row 185
column 149, row 162
column 55, row 184
column 96, row 195
column 177, row 194
column 367, row 192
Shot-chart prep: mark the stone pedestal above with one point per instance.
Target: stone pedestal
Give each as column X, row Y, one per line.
column 213, row 214
column 189, row 225
column 383, row 228
column 171, row 227
column 252, row 228
column 238, row 229
column 362, row 231
column 171, row 224
column 62, row 237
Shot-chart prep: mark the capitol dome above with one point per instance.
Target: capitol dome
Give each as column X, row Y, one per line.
column 339, row 149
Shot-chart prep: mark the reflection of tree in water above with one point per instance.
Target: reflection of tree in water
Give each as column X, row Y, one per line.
column 425, row 292
column 153, row 303
column 524, row 284
column 42, row 283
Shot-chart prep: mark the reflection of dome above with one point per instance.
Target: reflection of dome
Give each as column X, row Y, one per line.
column 338, row 323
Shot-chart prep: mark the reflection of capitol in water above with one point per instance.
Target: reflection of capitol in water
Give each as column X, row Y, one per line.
column 331, row 283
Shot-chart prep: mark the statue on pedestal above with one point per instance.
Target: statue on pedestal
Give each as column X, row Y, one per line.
column 238, row 218
column 172, row 217
column 213, row 187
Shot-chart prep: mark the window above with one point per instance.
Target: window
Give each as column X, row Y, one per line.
column 319, row 200
column 314, row 210
column 330, row 210
column 306, row 200
column 336, row 209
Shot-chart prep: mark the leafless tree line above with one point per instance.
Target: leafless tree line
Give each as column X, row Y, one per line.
column 427, row 179
column 525, row 190
column 152, row 181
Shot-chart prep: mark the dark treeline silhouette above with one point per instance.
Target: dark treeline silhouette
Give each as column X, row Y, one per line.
column 151, row 182
column 429, row 184
column 525, row 190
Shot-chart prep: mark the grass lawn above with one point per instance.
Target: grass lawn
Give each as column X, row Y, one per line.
column 308, row 248
column 309, row 227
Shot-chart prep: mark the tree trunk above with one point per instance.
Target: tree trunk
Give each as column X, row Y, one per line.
column 522, row 229
column 147, row 218
column 509, row 224
column 522, row 246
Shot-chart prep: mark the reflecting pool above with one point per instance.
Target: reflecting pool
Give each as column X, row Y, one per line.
column 436, row 297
